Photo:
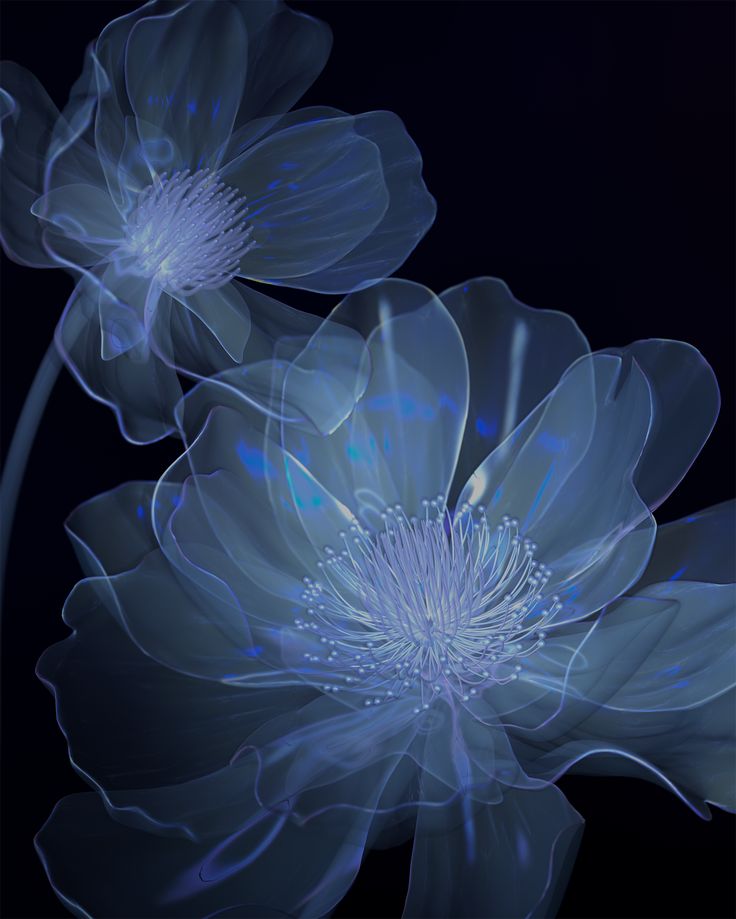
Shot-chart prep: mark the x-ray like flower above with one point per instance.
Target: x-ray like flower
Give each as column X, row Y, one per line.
column 298, row 646
column 177, row 168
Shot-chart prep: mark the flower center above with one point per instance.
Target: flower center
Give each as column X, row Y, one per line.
column 188, row 231
column 431, row 603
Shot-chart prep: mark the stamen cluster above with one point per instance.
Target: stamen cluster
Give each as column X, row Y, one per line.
column 436, row 604
column 189, row 232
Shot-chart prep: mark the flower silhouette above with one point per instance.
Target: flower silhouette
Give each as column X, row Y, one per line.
column 296, row 646
column 176, row 169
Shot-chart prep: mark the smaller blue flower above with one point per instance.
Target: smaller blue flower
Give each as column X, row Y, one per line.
column 175, row 170
column 297, row 646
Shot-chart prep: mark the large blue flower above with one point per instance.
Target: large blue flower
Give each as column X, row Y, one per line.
column 296, row 646
column 174, row 170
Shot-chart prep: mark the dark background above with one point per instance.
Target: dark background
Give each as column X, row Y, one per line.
column 581, row 151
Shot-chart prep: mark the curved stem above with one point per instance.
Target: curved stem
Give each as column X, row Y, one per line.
column 20, row 446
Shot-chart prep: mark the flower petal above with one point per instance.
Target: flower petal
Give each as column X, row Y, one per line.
column 225, row 313
column 651, row 682
column 516, row 356
column 85, row 213
column 39, row 148
column 111, row 532
column 98, row 867
column 683, row 387
column 140, row 388
column 410, row 213
column 700, row 547
column 185, row 73
column 287, row 50
column 508, row 859
column 567, row 474
column 314, row 192
column 131, row 722
column 401, row 442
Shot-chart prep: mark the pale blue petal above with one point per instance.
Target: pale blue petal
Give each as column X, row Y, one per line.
column 184, row 622
column 249, row 516
column 401, row 442
column 225, row 313
column 112, row 532
column 184, row 74
column 314, row 192
column 507, row 859
column 699, row 547
column 148, row 725
column 85, row 213
column 650, row 682
column 566, row 473
column 39, row 149
column 312, row 383
column 287, row 50
column 686, row 404
column 516, row 356
column 101, row 868
column 139, row 387
column 126, row 303
column 410, row 213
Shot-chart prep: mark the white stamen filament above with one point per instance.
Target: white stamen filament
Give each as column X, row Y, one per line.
column 189, row 231
column 436, row 604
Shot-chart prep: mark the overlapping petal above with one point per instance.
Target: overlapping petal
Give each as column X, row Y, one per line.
column 516, row 356
column 699, row 547
column 39, row 145
column 512, row 858
column 379, row 248
column 647, row 689
column 400, row 444
column 315, row 190
column 567, row 474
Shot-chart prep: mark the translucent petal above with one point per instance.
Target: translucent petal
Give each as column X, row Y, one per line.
column 112, row 532
column 99, row 867
column 140, row 388
column 400, row 444
column 185, row 623
column 516, row 356
column 314, row 192
column 410, row 213
column 650, row 682
column 38, row 149
column 700, row 547
column 512, row 858
column 567, row 474
column 225, row 313
column 126, row 302
column 479, row 762
column 132, row 723
column 287, row 50
column 250, row 517
column 279, row 54
column 295, row 366
column 185, row 73
column 84, row 212
column 683, row 387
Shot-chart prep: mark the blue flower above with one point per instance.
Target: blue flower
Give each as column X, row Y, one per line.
column 176, row 169
column 297, row 646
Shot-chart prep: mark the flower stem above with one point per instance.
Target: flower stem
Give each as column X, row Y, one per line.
column 20, row 446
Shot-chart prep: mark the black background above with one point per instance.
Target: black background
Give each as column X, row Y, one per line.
column 581, row 151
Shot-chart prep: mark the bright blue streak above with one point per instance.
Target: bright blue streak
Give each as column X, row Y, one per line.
column 254, row 461
column 538, row 496
column 486, row 428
